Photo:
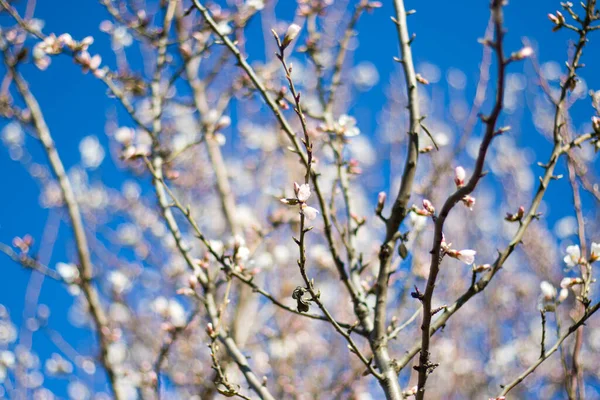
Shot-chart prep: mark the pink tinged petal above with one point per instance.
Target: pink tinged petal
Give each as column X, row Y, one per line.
column 428, row 206
column 467, row 256
column 595, row 252
column 95, row 62
column 548, row 291
column 564, row 293
column 303, row 192
column 459, row 176
column 469, row 202
column 309, row 212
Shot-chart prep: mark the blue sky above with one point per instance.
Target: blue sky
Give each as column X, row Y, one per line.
column 75, row 106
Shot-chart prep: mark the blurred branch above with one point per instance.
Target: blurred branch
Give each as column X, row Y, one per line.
column 85, row 263
column 248, row 280
column 358, row 299
column 30, row 263
column 575, row 327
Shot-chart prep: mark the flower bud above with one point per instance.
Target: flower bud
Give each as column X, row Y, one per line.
column 525, row 52
column 564, row 293
column 459, row 176
column 428, row 207
column 292, row 33
column 421, row 80
column 596, row 124
column 380, row 202
column 469, row 202
column 481, row 268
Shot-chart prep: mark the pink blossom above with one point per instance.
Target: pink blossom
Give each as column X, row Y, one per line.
column 428, row 207
column 469, row 201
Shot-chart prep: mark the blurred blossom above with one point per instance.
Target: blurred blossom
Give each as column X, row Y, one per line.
column 78, row 391
column 12, row 134
column 282, row 254
column 170, row 310
column 131, row 190
column 256, row 4
column 365, row 75
column 431, row 72
column 119, row 281
column 456, row 79
column 121, row 38
column 8, row 332
column 69, row 272
column 258, row 136
column 224, row 28
column 217, row 246
column 565, row 227
column 117, row 352
column 548, row 290
column 346, row 125
column 441, row 139
column 119, row 313
column 417, row 221
column 124, row 135
column 129, row 234
column 57, row 365
column 361, row 149
column 550, row 70
column 92, row 153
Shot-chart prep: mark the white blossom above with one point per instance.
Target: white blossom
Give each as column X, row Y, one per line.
column 12, row 134
column 467, row 256
column 243, row 253
column 91, row 151
column 573, row 256
column 119, row 281
column 303, row 192
column 548, row 291
column 68, row 272
column 256, row 4
column 309, row 212
column 347, row 126
column 595, row 252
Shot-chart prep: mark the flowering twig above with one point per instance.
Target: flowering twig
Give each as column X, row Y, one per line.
column 424, row 367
